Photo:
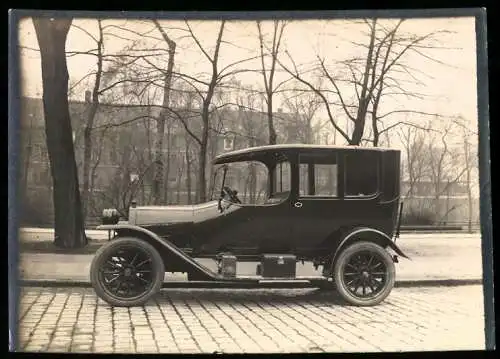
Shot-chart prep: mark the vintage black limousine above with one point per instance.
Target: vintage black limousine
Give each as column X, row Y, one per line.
column 336, row 207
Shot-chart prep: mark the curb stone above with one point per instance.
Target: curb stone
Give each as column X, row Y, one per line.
column 48, row 248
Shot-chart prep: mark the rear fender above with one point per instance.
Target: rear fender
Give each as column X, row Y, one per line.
column 369, row 235
column 170, row 253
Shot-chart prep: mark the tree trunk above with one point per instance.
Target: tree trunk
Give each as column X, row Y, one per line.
column 468, row 184
column 51, row 35
column 166, row 187
column 87, row 157
column 270, row 121
column 376, row 132
column 160, row 133
column 180, row 174
column 202, row 164
column 309, row 131
column 253, row 174
column 469, row 198
column 87, row 133
column 364, row 100
column 188, row 176
column 27, row 160
column 158, row 160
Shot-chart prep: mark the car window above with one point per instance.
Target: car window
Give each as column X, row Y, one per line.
column 325, row 176
column 304, row 179
column 248, row 178
column 318, row 176
column 282, row 178
column 361, row 173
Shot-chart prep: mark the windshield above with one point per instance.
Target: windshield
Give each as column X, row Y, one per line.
column 251, row 181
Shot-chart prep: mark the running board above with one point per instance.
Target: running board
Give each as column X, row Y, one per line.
column 248, row 283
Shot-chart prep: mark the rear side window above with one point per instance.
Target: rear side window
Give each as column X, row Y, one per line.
column 361, row 173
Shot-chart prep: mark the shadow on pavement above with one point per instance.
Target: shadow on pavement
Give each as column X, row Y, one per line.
column 250, row 296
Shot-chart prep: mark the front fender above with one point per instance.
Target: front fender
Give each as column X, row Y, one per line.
column 196, row 268
column 372, row 235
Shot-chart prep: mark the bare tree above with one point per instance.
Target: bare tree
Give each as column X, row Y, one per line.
column 357, row 85
column 91, row 114
column 205, row 110
column 445, row 169
column 158, row 185
column 205, row 90
column 268, row 73
column 415, row 166
column 97, row 156
column 470, row 158
column 470, row 164
column 304, row 107
column 107, row 82
column 51, row 35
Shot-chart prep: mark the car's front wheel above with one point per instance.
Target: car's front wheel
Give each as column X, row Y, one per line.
column 127, row 272
column 364, row 274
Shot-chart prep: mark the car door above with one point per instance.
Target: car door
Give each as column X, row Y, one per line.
column 335, row 190
column 317, row 205
column 268, row 223
column 270, row 228
column 261, row 227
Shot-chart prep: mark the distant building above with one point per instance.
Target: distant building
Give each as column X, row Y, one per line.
column 123, row 141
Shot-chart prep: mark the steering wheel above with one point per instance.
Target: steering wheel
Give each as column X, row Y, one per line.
column 231, row 194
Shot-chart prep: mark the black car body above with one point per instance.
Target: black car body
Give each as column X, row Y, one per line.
column 320, row 200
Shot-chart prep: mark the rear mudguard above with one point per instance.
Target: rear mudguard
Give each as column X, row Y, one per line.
column 374, row 236
column 195, row 270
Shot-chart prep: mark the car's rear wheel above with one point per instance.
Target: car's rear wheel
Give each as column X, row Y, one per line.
column 127, row 272
column 364, row 274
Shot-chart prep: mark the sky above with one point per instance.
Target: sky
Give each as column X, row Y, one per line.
column 447, row 74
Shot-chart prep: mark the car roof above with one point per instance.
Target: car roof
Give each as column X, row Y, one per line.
column 263, row 151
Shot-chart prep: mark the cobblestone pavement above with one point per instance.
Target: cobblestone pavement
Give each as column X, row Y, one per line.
column 252, row 321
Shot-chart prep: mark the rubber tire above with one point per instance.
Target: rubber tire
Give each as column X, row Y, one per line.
column 102, row 253
column 340, row 262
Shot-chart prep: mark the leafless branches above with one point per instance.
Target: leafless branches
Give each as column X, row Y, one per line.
column 268, row 74
column 361, row 82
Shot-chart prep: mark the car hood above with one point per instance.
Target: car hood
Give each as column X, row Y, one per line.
column 144, row 215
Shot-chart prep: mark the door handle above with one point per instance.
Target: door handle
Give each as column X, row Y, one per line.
column 297, row 204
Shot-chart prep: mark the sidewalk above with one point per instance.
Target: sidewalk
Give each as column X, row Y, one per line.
column 436, row 258
column 40, row 240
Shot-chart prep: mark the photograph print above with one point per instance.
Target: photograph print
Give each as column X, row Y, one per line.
column 249, row 183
